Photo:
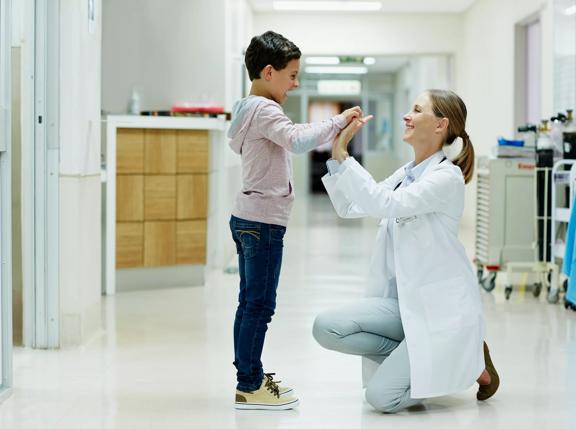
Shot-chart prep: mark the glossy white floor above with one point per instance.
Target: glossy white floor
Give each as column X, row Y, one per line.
column 164, row 360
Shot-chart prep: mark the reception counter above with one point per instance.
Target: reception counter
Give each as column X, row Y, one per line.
column 161, row 176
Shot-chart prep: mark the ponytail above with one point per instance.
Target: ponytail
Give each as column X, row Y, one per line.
column 465, row 159
column 447, row 104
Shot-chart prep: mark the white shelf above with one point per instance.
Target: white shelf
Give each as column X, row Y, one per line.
column 167, row 122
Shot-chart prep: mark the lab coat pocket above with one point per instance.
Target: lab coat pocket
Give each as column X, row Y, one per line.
column 418, row 229
column 447, row 304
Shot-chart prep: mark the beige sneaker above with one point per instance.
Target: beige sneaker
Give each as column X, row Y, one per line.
column 266, row 398
column 282, row 390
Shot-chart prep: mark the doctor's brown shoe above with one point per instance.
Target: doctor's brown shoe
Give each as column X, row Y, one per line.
column 487, row 390
column 266, row 398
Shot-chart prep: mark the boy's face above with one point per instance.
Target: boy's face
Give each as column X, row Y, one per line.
column 282, row 81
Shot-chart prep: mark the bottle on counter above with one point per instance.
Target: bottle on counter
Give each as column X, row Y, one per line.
column 544, row 140
column 134, row 103
column 544, row 146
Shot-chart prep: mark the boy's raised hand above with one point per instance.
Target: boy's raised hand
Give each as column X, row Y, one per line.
column 340, row 145
column 353, row 112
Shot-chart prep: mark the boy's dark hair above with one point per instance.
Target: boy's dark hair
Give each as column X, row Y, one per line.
column 269, row 48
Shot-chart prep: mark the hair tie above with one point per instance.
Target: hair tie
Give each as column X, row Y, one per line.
column 464, row 135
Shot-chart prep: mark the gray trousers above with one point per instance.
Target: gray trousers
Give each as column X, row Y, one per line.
column 372, row 328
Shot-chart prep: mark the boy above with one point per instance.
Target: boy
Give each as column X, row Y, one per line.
column 264, row 137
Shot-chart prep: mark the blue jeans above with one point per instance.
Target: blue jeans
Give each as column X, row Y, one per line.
column 259, row 246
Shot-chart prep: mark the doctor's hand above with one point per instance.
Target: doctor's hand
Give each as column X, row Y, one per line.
column 340, row 146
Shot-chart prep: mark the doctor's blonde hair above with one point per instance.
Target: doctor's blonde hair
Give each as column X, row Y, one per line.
column 447, row 104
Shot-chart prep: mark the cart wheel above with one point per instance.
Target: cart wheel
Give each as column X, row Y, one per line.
column 565, row 285
column 553, row 297
column 480, row 273
column 508, row 291
column 488, row 283
column 536, row 289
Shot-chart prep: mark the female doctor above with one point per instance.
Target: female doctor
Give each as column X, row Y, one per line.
column 421, row 326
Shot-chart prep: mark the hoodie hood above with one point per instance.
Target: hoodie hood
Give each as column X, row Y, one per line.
column 242, row 115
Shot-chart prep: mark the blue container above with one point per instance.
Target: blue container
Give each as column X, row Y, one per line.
column 504, row 142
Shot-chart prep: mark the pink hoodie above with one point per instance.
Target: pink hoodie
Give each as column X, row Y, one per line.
column 264, row 136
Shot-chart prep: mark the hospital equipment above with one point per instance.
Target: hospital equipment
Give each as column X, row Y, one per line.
column 508, row 219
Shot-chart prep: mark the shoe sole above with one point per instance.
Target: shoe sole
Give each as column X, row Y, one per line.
column 278, row 407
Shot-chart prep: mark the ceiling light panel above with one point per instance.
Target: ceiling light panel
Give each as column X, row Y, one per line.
column 336, row 70
column 328, row 6
column 322, row 60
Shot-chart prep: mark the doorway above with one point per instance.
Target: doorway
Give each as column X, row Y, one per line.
column 320, row 109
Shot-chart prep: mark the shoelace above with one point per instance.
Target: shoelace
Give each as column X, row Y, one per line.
column 272, row 385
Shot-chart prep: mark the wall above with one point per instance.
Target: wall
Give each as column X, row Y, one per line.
column 172, row 51
column 80, row 190
column 486, row 81
column 365, row 34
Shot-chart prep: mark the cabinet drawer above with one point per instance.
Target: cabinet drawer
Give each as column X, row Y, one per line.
column 191, row 242
column 160, row 152
column 129, row 244
column 129, row 151
column 192, row 200
column 129, row 198
column 159, row 243
column 160, row 197
column 192, row 151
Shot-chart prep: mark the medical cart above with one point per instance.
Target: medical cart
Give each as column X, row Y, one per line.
column 508, row 222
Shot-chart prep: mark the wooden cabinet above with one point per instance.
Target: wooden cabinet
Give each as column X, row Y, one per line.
column 130, row 151
column 159, row 243
column 189, row 236
column 192, row 198
column 192, row 151
column 160, row 151
column 161, row 197
column 130, row 198
column 129, row 244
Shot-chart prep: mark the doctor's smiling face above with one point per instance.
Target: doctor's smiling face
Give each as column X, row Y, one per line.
column 423, row 127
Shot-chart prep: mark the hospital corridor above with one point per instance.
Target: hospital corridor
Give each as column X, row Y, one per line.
column 285, row 214
column 161, row 361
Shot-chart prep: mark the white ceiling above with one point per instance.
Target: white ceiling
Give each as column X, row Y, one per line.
column 392, row 6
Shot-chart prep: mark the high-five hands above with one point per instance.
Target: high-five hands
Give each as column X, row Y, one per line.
column 340, row 145
column 352, row 113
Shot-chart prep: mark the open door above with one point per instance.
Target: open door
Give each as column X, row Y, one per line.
column 5, row 205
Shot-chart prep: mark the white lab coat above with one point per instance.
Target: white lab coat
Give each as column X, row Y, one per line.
column 437, row 289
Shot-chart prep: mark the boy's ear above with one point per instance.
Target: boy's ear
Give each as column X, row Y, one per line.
column 267, row 72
